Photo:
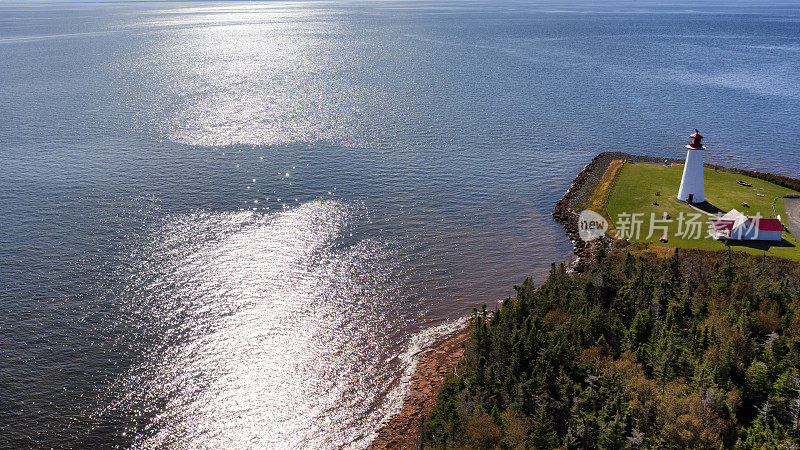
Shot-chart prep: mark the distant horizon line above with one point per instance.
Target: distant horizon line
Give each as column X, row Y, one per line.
column 686, row 3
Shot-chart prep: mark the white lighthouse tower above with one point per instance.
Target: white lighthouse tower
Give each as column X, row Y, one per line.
column 692, row 189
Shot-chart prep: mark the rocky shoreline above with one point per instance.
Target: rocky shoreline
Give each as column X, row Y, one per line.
column 568, row 208
column 404, row 428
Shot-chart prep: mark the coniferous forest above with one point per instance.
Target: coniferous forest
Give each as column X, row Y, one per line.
column 699, row 350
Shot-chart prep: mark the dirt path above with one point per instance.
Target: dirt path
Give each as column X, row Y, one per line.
column 793, row 211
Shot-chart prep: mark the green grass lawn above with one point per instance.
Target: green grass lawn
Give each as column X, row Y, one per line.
column 636, row 185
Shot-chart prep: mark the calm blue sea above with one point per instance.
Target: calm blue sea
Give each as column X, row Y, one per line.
column 236, row 224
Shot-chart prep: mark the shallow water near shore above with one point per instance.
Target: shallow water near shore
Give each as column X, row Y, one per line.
column 237, row 224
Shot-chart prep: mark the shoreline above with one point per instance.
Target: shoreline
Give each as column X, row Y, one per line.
column 402, row 431
column 565, row 211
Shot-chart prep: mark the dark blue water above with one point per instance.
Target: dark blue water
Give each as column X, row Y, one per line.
column 235, row 224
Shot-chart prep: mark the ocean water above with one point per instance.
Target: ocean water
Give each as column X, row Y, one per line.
column 237, row 224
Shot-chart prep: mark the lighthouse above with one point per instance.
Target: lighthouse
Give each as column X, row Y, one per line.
column 692, row 189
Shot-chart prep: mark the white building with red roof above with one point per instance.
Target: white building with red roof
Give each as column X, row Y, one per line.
column 735, row 225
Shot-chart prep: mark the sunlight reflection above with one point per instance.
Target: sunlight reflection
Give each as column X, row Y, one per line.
column 264, row 322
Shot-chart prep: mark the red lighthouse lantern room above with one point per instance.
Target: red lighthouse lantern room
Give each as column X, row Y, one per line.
column 696, row 140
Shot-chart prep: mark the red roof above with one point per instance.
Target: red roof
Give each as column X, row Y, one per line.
column 768, row 224
column 761, row 224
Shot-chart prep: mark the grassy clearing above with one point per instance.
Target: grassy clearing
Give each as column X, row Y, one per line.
column 634, row 192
